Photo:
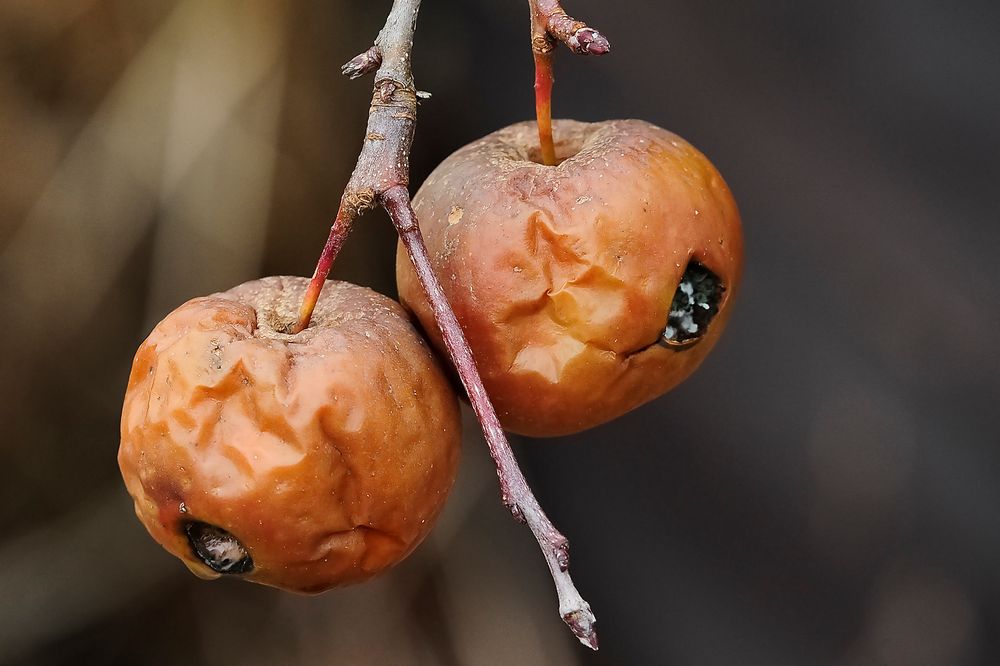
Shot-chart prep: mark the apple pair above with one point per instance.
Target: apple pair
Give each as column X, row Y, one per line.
column 322, row 458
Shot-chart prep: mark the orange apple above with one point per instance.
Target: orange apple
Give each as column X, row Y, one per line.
column 587, row 288
column 299, row 461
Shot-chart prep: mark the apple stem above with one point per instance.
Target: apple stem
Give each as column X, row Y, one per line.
column 550, row 24
column 543, row 106
column 338, row 234
column 382, row 176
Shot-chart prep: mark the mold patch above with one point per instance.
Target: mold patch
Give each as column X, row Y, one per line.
column 695, row 304
column 218, row 549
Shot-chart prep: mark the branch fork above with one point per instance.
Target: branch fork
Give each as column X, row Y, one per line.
column 382, row 175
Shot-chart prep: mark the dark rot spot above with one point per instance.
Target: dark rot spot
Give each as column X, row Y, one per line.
column 218, row 549
column 695, row 304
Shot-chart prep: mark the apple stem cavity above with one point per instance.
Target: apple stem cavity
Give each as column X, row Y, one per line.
column 550, row 25
column 381, row 176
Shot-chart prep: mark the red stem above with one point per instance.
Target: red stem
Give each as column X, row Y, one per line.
column 338, row 234
column 544, row 79
column 550, row 25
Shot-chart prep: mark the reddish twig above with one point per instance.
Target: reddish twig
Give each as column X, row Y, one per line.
column 544, row 78
column 385, row 156
column 382, row 175
column 550, row 24
column 514, row 489
column 338, row 234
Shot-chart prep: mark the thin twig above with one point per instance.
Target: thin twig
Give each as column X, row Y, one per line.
column 514, row 489
column 549, row 25
column 382, row 175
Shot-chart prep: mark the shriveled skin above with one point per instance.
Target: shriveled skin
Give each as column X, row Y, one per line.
column 562, row 277
column 328, row 454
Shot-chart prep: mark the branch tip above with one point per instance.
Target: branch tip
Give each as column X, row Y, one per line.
column 551, row 23
column 583, row 625
column 364, row 63
column 587, row 41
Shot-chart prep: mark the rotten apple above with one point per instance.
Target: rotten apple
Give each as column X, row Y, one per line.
column 586, row 288
column 300, row 461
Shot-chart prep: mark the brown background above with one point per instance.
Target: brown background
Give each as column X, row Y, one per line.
column 826, row 490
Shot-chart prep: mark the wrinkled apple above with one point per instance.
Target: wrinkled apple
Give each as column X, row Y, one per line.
column 587, row 288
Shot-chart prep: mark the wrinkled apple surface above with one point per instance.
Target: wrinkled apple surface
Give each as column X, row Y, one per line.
column 584, row 289
column 299, row 461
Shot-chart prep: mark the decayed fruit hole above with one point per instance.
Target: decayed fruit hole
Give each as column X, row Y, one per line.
column 695, row 304
column 218, row 549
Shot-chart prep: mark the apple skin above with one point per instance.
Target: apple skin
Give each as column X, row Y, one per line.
column 328, row 454
column 562, row 277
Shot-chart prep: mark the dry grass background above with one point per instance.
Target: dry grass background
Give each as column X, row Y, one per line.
column 823, row 491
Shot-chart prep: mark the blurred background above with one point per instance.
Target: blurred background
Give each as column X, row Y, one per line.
column 826, row 490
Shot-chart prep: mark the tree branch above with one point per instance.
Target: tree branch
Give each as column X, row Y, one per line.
column 385, row 156
column 382, row 175
column 549, row 25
